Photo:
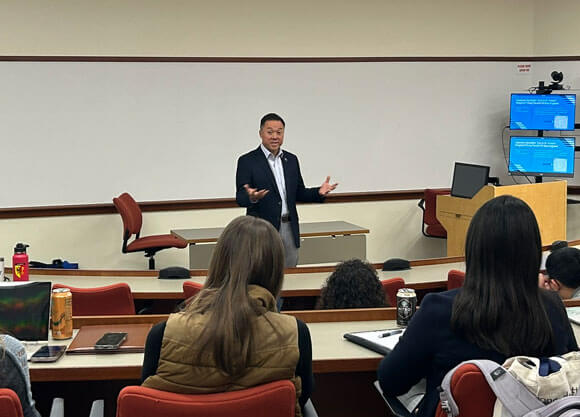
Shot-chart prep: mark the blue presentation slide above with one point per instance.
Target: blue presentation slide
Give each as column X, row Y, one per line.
column 542, row 156
column 542, row 111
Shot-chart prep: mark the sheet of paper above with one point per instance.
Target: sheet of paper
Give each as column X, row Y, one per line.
column 573, row 314
column 385, row 337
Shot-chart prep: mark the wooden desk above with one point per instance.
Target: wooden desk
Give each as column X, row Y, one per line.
column 330, row 353
column 301, row 283
column 344, row 372
column 320, row 242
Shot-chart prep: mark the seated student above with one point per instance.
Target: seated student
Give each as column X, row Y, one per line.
column 563, row 273
column 498, row 313
column 230, row 336
column 14, row 373
column 354, row 284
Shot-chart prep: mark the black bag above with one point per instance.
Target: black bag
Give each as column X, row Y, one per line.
column 174, row 272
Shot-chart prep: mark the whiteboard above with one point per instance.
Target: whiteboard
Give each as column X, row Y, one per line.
column 83, row 132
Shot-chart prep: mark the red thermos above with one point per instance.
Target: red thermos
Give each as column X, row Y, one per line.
column 20, row 263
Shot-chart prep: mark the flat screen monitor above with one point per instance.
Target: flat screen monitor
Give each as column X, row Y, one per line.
column 542, row 156
column 468, row 179
column 542, row 111
column 24, row 310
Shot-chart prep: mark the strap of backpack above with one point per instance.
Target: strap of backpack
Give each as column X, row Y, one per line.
column 515, row 397
column 563, row 407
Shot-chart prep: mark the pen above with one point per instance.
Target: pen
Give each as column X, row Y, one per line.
column 387, row 334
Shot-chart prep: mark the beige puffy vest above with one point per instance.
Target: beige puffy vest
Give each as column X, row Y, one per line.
column 274, row 354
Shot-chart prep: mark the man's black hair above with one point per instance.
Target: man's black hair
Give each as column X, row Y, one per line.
column 564, row 265
column 271, row 116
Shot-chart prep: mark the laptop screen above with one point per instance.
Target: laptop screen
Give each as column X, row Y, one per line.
column 468, row 179
column 25, row 309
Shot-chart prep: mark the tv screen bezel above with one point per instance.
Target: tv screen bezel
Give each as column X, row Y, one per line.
column 547, row 130
column 542, row 174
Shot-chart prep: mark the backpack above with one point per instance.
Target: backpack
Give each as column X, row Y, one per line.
column 514, row 399
column 12, row 376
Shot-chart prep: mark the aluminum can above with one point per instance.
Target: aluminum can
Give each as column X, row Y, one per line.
column 61, row 314
column 406, row 305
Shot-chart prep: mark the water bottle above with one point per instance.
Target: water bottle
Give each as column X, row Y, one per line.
column 20, row 263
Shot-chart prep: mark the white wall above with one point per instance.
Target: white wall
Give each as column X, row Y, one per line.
column 556, row 28
column 173, row 131
column 267, row 28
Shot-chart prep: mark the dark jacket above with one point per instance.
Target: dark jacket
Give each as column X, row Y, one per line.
column 429, row 348
column 253, row 169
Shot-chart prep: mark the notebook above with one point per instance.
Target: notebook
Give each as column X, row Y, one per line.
column 25, row 311
column 380, row 341
column 87, row 336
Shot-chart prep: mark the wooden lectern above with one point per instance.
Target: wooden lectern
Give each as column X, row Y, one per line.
column 547, row 200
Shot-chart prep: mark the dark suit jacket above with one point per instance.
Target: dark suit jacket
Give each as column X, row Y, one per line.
column 254, row 170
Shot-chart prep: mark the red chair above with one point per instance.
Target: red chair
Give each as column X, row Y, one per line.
column 190, row 289
column 9, row 404
column 471, row 393
column 431, row 226
column 272, row 399
column 390, row 287
column 132, row 222
column 455, row 279
column 115, row 299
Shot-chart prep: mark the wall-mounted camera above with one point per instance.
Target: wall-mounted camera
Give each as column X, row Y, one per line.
column 556, row 84
column 558, row 77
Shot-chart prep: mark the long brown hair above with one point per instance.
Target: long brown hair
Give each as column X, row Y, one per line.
column 248, row 252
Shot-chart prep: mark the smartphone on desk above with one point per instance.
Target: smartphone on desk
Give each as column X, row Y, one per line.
column 48, row 353
column 110, row 341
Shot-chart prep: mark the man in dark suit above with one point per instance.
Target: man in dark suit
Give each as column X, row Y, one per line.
column 269, row 183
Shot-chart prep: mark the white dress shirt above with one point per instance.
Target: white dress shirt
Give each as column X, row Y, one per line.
column 275, row 162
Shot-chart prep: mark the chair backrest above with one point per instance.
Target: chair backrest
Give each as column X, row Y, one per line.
column 430, row 213
column 272, row 399
column 455, row 279
column 130, row 213
column 471, row 392
column 115, row 299
column 9, row 404
column 191, row 289
column 390, row 287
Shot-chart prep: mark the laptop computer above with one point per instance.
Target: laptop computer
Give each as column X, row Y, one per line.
column 25, row 311
column 468, row 179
